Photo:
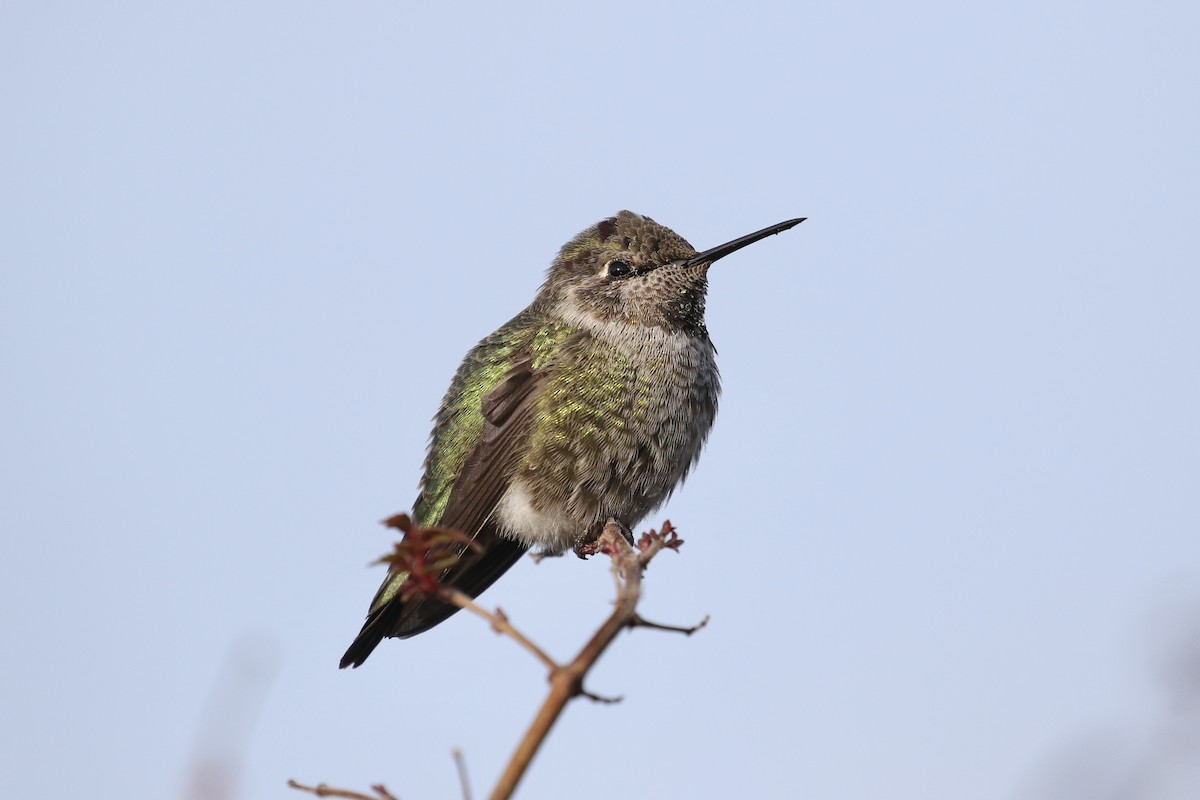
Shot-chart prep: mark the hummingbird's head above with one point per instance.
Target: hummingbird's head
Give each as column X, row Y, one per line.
column 628, row 269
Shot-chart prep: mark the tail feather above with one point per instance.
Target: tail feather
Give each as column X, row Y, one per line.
column 472, row 574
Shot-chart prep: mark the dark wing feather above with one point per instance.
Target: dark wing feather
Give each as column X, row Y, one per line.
column 508, row 411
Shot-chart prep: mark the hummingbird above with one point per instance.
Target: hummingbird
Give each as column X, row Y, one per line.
column 591, row 404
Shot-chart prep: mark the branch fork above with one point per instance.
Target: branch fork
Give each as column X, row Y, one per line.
column 629, row 561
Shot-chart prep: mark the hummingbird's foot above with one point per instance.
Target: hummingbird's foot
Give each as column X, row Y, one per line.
column 585, row 545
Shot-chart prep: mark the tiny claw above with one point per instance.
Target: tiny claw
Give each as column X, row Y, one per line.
column 587, row 543
column 584, row 548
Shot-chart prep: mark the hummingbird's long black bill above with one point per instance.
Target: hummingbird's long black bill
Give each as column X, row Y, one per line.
column 720, row 251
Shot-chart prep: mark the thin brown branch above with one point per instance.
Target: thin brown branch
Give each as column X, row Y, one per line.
column 599, row 698
column 322, row 790
column 499, row 622
column 639, row 621
column 460, row 761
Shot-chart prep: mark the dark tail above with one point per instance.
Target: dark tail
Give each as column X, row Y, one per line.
column 474, row 572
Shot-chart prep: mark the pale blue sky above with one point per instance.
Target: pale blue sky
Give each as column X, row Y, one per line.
column 946, row 525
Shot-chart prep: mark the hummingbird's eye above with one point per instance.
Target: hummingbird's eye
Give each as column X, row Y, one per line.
column 619, row 269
